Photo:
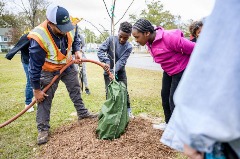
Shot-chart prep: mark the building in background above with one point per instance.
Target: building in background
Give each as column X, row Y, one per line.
column 138, row 48
column 92, row 47
column 4, row 40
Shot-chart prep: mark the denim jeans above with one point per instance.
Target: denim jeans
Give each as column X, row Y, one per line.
column 28, row 88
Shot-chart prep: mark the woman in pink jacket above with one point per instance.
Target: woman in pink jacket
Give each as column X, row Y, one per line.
column 172, row 51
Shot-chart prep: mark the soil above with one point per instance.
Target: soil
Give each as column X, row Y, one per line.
column 79, row 140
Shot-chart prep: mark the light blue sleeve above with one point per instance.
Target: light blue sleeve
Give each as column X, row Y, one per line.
column 208, row 95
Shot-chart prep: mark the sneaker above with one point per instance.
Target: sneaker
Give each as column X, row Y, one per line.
column 130, row 113
column 89, row 116
column 42, row 137
column 160, row 126
column 30, row 109
column 87, row 91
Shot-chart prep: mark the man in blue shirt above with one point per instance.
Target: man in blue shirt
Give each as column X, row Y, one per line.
column 50, row 50
column 123, row 50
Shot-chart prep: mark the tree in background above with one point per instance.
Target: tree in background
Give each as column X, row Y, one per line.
column 2, row 5
column 5, row 18
column 10, row 21
column 102, row 37
column 33, row 10
column 184, row 27
column 24, row 15
column 157, row 16
column 131, row 38
column 90, row 36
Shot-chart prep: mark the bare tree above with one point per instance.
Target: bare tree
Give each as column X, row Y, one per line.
column 33, row 10
column 2, row 5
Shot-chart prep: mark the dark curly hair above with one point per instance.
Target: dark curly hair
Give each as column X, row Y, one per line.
column 194, row 27
column 143, row 25
column 126, row 27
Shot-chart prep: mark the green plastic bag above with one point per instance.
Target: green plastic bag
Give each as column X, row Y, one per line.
column 113, row 117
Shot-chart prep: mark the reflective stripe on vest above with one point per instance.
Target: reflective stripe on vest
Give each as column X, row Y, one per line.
column 50, row 47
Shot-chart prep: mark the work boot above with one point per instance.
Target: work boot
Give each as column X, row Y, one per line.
column 42, row 137
column 89, row 116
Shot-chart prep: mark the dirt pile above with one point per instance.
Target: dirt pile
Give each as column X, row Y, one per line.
column 79, row 140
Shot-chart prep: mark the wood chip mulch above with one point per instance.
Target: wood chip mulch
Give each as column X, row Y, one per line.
column 79, row 140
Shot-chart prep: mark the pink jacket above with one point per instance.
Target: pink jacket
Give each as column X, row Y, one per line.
column 171, row 50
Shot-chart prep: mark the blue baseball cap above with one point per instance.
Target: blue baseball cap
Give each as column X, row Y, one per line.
column 59, row 16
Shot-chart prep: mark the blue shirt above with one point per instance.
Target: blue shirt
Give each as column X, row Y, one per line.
column 38, row 55
column 122, row 53
column 22, row 45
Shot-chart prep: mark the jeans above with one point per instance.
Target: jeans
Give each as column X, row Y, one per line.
column 28, row 88
column 169, row 85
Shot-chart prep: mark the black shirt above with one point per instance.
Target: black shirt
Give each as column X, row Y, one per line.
column 22, row 45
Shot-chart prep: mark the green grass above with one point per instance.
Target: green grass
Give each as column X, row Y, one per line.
column 18, row 139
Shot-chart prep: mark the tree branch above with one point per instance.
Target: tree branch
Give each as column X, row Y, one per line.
column 125, row 12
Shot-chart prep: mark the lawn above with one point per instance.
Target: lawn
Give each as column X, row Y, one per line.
column 18, row 139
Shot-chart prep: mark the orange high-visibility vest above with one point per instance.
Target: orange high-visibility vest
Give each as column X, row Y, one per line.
column 54, row 60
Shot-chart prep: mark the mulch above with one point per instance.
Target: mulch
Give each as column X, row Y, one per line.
column 79, row 140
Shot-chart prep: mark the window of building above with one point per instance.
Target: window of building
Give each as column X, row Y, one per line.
column 5, row 39
column 4, row 47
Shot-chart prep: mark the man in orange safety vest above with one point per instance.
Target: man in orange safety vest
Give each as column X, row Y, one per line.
column 51, row 44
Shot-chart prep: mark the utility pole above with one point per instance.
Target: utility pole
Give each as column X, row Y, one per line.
column 90, row 44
